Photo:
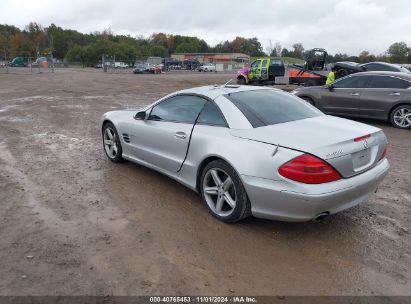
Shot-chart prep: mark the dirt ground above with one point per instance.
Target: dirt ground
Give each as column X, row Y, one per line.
column 73, row 223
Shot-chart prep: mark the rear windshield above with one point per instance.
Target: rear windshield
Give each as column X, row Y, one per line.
column 269, row 107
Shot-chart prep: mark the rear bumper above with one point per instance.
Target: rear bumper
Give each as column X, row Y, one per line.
column 282, row 200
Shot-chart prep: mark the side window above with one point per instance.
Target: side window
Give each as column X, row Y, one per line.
column 264, row 63
column 255, row 64
column 380, row 67
column 276, row 62
column 387, row 82
column 182, row 108
column 372, row 67
column 211, row 115
column 351, row 82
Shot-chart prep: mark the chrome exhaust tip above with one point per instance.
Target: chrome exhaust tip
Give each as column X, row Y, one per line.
column 321, row 216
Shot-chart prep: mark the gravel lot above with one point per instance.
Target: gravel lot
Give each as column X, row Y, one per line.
column 73, row 223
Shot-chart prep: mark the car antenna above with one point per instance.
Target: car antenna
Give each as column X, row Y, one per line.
column 228, row 82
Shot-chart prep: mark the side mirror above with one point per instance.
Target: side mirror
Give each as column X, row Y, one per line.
column 142, row 115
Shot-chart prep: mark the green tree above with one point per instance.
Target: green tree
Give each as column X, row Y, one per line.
column 4, row 46
column 158, row 51
column 298, row 50
column 186, row 47
column 78, row 53
column 285, row 53
column 398, row 52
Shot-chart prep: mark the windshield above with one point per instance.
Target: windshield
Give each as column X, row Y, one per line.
column 269, row 107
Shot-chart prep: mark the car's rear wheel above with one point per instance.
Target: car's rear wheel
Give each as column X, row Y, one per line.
column 224, row 193
column 111, row 143
column 401, row 117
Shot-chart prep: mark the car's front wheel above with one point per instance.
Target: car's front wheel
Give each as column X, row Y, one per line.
column 111, row 143
column 401, row 117
column 224, row 193
column 241, row 81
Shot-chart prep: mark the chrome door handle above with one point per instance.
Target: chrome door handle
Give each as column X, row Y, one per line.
column 180, row 135
column 355, row 94
column 395, row 94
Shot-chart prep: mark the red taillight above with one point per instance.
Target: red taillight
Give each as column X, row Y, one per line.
column 362, row 137
column 309, row 169
column 384, row 154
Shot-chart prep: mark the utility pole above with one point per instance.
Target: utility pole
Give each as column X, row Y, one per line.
column 104, row 63
column 51, row 52
column 6, row 64
column 50, row 38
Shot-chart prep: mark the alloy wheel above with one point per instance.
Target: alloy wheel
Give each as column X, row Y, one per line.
column 402, row 117
column 219, row 192
column 110, row 142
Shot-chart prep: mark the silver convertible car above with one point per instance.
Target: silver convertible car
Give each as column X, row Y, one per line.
column 252, row 151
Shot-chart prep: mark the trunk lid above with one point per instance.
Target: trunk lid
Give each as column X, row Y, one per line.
column 327, row 137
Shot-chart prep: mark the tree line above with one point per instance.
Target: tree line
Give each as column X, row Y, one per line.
column 35, row 40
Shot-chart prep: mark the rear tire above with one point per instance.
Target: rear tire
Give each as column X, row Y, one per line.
column 401, row 117
column 223, row 192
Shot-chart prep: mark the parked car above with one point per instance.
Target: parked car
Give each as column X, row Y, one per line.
column 345, row 68
column 172, row 64
column 207, row 67
column 18, row 62
column 146, row 68
column 120, row 65
column 140, row 68
column 379, row 95
column 40, row 61
column 300, row 163
column 190, row 64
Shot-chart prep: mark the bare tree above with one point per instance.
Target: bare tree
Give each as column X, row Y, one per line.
column 278, row 48
column 269, row 49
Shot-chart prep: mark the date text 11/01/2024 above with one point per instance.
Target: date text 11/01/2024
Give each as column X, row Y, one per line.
column 205, row 299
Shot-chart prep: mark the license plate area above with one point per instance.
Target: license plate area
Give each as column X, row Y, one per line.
column 361, row 159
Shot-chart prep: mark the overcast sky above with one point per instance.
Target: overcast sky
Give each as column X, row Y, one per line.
column 343, row 26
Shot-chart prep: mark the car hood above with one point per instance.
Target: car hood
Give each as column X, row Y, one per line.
column 327, row 137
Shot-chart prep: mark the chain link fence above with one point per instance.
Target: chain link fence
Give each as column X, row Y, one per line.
column 27, row 65
column 156, row 65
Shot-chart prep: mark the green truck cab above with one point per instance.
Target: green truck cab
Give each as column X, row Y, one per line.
column 18, row 62
column 261, row 71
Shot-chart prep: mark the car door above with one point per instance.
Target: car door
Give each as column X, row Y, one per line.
column 276, row 68
column 381, row 94
column 264, row 70
column 255, row 70
column 163, row 138
column 343, row 97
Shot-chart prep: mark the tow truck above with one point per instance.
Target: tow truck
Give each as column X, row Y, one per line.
column 314, row 72
column 261, row 71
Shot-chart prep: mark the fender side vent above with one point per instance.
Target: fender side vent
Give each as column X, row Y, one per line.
column 126, row 138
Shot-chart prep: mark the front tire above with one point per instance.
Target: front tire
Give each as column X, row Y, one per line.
column 223, row 192
column 401, row 117
column 111, row 143
column 241, row 81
